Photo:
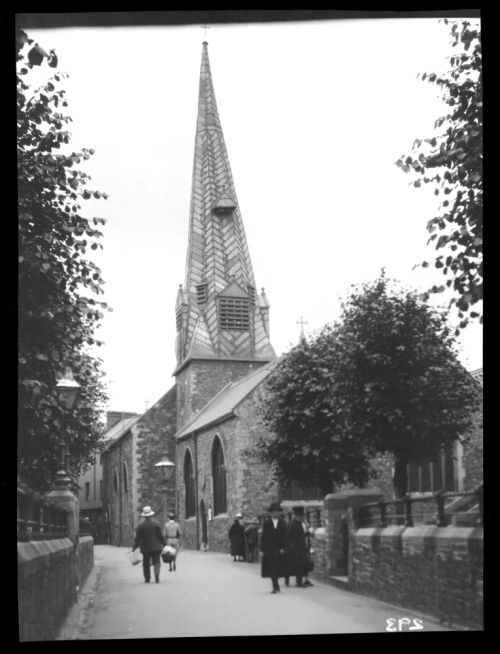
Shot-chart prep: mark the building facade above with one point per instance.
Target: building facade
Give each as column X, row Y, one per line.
column 130, row 479
column 90, row 484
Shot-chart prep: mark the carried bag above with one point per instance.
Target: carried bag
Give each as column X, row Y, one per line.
column 135, row 557
column 168, row 553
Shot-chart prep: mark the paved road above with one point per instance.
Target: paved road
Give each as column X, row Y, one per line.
column 210, row 595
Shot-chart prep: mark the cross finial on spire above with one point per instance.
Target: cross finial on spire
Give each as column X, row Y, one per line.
column 205, row 27
column 302, row 322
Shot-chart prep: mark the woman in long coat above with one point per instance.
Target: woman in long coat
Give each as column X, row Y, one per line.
column 297, row 547
column 237, row 539
column 272, row 546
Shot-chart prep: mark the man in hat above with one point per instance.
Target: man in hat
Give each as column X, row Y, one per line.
column 149, row 538
column 273, row 545
column 172, row 533
column 237, row 539
column 298, row 551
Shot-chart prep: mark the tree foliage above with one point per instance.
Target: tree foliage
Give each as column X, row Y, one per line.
column 452, row 161
column 58, row 285
column 383, row 379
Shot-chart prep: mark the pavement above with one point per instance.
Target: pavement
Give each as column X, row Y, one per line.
column 211, row 595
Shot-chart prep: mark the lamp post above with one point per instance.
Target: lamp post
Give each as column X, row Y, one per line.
column 166, row 467
column 61, row 495
column 67, row 390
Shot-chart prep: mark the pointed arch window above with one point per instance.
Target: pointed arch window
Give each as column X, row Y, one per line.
column 189, row 498
column 116, row 481
column 219, row 477
column 430, row 475
column 125, row 478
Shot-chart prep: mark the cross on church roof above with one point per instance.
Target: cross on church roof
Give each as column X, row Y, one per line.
column 205, row 27
column 302, row 322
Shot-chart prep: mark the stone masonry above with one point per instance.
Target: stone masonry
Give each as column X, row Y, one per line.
column 130, row 478
column 155, row 437
column 250, row 486
column 200, row 380
column 435, row 570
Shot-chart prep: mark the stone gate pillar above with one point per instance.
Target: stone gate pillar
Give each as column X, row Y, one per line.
column 62, row 497
column 339, row 508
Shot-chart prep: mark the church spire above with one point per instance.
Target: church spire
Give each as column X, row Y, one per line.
column 218, row 313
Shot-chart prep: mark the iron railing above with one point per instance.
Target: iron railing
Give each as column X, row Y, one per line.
column 441, row 509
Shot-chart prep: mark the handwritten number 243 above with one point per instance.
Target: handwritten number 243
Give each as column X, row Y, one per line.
column 397, row 625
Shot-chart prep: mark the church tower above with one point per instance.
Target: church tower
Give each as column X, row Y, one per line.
column 222, row 321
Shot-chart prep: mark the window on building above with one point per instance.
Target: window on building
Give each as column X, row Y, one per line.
column 87, row 491
column 433, row 474
column 115, row 481
column 202, row 293
column 234, row 313
column 219, row 477
column 125, row 478
column 189, row 486
column 100, row 489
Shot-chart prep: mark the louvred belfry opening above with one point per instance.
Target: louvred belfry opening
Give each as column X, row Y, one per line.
column 234, row 313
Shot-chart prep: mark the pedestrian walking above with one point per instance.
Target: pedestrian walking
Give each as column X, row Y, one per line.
column 172, row 534
column 237, row 539
column 309, row 534
column 272, row 546
column 251, row 539
column 297, row 548
column 150, row 540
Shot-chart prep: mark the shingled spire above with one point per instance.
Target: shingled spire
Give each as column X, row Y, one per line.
column 219, row 315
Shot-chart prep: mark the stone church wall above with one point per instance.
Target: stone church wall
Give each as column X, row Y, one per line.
column 201, row 380
column 155, row 437
column 139, row 449
column 472, row 463
column 117, row 490
column 249, row 484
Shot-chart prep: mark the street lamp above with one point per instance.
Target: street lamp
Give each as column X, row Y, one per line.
column 67, row 389
column 166, row 467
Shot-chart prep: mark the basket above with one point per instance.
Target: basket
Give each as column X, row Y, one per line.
column 168, row 554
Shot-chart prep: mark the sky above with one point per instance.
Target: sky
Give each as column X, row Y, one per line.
column 314, row 115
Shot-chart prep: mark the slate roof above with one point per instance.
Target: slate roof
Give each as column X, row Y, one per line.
column 222, row 406
column 117, row 430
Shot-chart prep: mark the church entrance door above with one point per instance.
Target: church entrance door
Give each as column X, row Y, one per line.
column 204, row 526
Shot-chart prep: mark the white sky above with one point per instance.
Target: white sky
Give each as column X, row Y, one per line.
column 314, row 116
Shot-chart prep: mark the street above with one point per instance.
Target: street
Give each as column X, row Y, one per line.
column 211, row 595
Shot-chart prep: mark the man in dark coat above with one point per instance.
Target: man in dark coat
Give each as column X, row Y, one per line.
column 297, row 547
column 237, row 539
column 149, row 538
column 272, row 546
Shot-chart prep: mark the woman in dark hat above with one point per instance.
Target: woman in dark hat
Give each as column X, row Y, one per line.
column 297, row 550
column 237, row 539
column 272, row 546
